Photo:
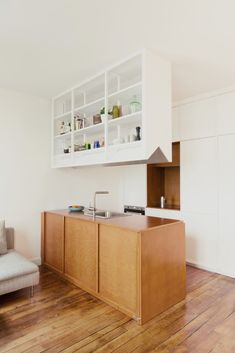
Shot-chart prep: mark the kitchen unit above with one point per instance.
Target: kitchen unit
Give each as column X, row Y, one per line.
column 205, row 128
column 122, row 115
column 134, row 263
column 195, row 129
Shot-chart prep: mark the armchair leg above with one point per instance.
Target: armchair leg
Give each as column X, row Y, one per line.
column 31, row 291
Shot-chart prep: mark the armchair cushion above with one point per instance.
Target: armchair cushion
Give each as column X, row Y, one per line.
column 14, row 265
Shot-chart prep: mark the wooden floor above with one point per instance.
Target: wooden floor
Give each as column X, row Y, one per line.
column 63, row 318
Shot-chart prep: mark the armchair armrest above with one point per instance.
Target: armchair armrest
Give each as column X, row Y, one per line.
column 10, row 238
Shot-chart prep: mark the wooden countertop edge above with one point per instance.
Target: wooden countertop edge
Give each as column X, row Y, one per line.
column 176, row 221
column 117, row 225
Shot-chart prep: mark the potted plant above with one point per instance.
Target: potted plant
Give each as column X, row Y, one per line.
column 102, row 114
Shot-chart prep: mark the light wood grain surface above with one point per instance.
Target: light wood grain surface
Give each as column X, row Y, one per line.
column 118, row 267
column 163, row 179
column 63, row 318
column 81, row 252
column 132, row 222
column 53, row 247
column 163, row 269
column 140, row 273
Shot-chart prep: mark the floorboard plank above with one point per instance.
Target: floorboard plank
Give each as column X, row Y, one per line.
column 63, row 318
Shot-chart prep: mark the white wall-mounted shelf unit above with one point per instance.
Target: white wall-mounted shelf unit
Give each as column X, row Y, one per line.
column 140, row 86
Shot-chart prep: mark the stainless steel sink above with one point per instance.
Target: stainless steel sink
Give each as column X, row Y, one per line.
column 105, row 214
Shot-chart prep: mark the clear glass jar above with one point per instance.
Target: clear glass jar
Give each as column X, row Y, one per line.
column 135, row 105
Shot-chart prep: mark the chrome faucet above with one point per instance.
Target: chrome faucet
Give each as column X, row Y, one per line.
column 98, row 193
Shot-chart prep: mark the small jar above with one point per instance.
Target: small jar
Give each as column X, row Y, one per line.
column 135, row 105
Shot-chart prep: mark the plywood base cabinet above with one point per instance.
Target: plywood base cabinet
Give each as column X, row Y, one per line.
column 136, row 264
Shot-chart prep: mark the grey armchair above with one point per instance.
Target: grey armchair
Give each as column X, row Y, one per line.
column 16, row 272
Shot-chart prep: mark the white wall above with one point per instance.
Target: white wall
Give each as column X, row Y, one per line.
column 28, row 185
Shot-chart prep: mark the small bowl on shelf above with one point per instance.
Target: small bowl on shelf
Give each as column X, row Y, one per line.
column 76, row 208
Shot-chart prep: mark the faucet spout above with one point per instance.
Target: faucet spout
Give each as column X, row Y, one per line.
column 98, row 193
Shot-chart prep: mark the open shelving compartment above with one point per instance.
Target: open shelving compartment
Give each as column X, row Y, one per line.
column 88, row 137
column 61, row 126
column 62, row 105
column 125, row 92
column 107, row 116
column 163, row 179
column 89, row 98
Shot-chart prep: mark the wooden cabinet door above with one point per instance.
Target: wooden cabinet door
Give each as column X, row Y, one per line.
column 54, row 241
column 118, row 267
column 81, row 252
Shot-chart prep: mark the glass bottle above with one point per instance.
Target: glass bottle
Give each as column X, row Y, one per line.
column 115, row 112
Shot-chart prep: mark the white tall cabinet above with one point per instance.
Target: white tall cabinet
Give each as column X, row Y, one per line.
column 199, row 200
column 206, row 129
column 207, row 134
column 121, row 115
column 175, row 125
column 226, row 183
column 226, row 255
column 199, row 175
column 225, row 121
column 198, row 119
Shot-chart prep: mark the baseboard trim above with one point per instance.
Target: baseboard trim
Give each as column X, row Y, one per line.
column 201, row 267
column 231, row 275
column 36, row 261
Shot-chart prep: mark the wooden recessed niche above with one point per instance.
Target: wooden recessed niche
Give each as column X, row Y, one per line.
column 164, row 180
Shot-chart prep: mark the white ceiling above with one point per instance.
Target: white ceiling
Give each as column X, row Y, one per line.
column 46, row 46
